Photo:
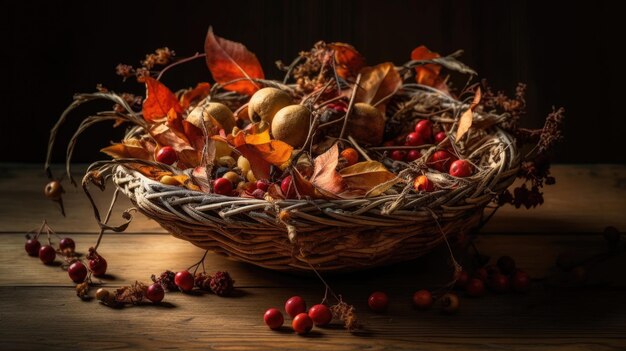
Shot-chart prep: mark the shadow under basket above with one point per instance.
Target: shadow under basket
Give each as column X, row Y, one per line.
column 328, row 235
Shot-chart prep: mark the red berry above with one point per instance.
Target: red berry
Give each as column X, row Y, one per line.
column 378, row 301
column 167, row 155
column 423, row 299
column 460, row 168
column 273, row 318
column 155, row 293
column 441, row 160
column 184, row 280
column 413, row 155
column 475, row 287
column 439, row 137
column 520, row 281
column 32, row 247
column 422, row 183
column 294, row 306
column 321, row 315
column 47, row 254
column 425, row 129
column 67, row 243
column 77, row 272
column 506, row 265
column 462, row 279
column 499, row 283
column 481, row 273
column 413, row 139
column 98, row 266
column 222, row 186
column 288, row 188
column 398, row 155
column 262, row 184
column 302, row 323
column 450, row 303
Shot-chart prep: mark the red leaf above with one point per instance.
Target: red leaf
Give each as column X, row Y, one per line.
column 378, row 83
column 159, row 101
column 427, row 74
column 348, row 61
column 198, row 93
column 229, row 60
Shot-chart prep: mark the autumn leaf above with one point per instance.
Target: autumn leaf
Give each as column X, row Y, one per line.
column 261, row 151
column 426, row 74
column 159, row 101
column 130, row 148
column 198, row 93
column 303, row 186
column 348, row 61
column 465, row 122
column 367, row 177
column 229, row 60
column 201, row 178
column 378, row 83
column 188, row 156
column 325, row 177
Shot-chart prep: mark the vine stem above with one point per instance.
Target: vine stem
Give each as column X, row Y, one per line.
column 350, row 106
column 179, row 62
column 197, row 264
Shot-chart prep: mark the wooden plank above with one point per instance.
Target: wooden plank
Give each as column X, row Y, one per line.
column 586, row 198
column 53, row 318
column 137, row 256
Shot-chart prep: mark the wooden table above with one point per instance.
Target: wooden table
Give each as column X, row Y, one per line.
column 39, row 309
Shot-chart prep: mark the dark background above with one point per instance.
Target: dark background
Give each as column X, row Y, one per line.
column 564, row 51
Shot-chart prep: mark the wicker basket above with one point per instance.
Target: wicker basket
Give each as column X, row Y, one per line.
column 329, row 235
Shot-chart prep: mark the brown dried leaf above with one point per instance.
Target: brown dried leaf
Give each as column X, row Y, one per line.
column 465, row 122
column 348, row 61
column 325, row 176
column 229, row 60
column 368, row 177
column 378, row 83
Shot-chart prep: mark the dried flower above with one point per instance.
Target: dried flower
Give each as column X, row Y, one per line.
column 133, row 294
column 124, row 71
column 347, row 314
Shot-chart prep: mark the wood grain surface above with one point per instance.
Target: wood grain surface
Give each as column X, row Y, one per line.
column 39, row 309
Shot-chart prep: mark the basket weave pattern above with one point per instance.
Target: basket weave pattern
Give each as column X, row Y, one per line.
column 329, row 235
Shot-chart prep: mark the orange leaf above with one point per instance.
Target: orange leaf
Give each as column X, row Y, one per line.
column 228, row 60
column 261, row 151
column 427, row 74
column 130, row 148
column 465, row 122
column 159, row 101
column 200, row 92
column 368, row 176
column 378, row 83
column 325, row 176
column 348, row 61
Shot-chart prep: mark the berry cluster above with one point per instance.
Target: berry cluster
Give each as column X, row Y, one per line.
column 442, row 160
column 302, row 321
column 501, row 277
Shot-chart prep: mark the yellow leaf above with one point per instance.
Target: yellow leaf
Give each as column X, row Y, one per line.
column 130, row 148
column 369, row 177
